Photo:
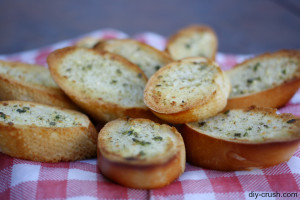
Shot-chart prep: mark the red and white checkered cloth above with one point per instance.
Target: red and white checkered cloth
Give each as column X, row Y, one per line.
column 21, row 179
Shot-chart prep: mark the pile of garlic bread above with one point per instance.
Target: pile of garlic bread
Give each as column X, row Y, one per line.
column 226, row 120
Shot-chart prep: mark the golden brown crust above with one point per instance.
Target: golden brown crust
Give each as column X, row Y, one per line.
column 48, row 144
column 142, row 174
column 96, row 108
column 275, row 97
column 142, row 177
column 201, row 106
column 17, row 90
column 189, row 30
column 228, row 155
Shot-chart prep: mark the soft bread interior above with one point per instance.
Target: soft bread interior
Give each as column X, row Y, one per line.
column 100, row 76
column 184, row 83
column 248, row 126
column 262, row 74
column 30, row 74
column 39, row 115
column 140, row 140
column 144, row 57
column 193, row 43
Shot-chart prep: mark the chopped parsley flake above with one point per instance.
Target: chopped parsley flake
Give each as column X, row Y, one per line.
column 291, row 121
column 143, row 143
column 2, row 115
column 23, row 110
column 157, row 138
column 256, row 67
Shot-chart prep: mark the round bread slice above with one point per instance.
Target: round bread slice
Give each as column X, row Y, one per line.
column 268, row 80
column 26, row 82
column 193, row 41
column 139, row 153
column 242, row 139
column 144, row 56
column 44, row 133
column 187, row 90
column 105, row 85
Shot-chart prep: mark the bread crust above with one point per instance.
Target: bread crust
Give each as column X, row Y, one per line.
column 99, row 109
column 275, row 97
column 142, row 174
column 201, row 108
column 17, row 90
column 229, row 155
column 189, row 30
column 48, row 144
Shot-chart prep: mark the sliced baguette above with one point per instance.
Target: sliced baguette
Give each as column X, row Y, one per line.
column 268, row 80
column 139, row 153
column 193, row 41
column 26, row 82
column 105, row 85
column 87, row 42
column 242, row 139
column 187, row 90
column 44, row 133
column 146, row 57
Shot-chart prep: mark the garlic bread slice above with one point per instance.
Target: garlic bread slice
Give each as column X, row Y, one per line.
column 144, row 56
column 27, row 82
column 268, row 80
column 187, row 90
column 193, row 41
column 139, row 153
column 242, row 139
column 104, row 85
column 38, row 132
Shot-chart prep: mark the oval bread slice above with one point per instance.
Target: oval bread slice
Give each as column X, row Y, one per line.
column 43, row 133
column 268, row 80
column 26, row 82
column 139, row 153
column 242, row 139
column 105, row 85
column 187, row 90
column 144, row 56
column 193, row 41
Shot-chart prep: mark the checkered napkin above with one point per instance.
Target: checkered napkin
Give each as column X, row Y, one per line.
column 21, row 179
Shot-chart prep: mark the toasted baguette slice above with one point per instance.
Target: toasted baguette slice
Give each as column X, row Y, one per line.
column 268, row 80
column 44, row 133
column 105, row 85
column 146, row 57
column 87, row 42
column 193, row 41
column 187, row 90
column 139, row 153
column 242, row 139
column 26, row 82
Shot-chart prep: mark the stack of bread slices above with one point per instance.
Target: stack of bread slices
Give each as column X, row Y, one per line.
column 227, row 120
